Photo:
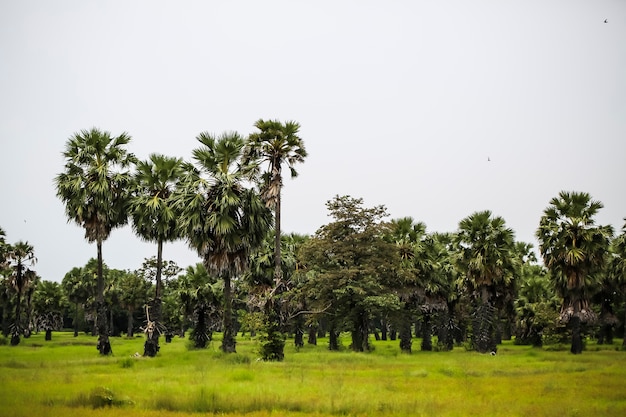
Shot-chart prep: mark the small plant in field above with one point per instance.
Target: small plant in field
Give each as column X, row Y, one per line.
column 127, row 363
column 99, row 397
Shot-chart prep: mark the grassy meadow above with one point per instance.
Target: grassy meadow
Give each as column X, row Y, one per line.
column 67, row 377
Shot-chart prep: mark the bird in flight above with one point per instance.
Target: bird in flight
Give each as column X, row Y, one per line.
column 606, row 20
column 488, row 159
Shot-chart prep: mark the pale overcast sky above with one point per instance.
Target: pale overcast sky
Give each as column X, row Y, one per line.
column 401, row 103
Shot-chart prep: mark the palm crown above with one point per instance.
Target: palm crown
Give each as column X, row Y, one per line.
column 95, row 182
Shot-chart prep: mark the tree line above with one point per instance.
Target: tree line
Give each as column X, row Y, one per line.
column 360, row 274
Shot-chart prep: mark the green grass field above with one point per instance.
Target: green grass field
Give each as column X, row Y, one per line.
column 67, row 377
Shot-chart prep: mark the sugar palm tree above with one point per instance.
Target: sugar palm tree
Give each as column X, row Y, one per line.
column 487, row 259
column 222, row 218
column 21, row 256
column 95, row 188
column 275, row 144
column 154, row 220
column 49, row 304
column 574, row 249
column 406, row 234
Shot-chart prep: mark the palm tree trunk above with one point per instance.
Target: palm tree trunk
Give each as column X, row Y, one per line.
column 577, row 340
column 151, row 347
column 275, row 344
column 104, row 346
column 405, row 335
column 228, row 341
column 278, row 272
column 17, row 326
column 427, row 342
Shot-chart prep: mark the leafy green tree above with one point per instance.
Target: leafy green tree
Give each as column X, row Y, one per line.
column 353, row 268
column 274, row 145
column 155, row 220
column 21, row 256
column 536, row 306
column 95, row 188
column 488, row 264
column 49, row 303
column 134, row 292
column 575, row 250
column 78, row 286
column 221, row 218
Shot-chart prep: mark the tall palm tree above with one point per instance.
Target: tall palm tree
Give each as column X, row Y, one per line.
column 21, row 256
column 574, row 249
column 275, row 144
column 487, row 259
column 95, row 188
column 222, row 218
column 154, row 220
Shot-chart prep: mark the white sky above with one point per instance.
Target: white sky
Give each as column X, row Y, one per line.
column 401, row 103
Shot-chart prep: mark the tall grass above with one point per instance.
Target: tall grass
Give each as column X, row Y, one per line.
column 67, row 377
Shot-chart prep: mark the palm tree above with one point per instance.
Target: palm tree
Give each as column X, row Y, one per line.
column 95, row 188
column 406, row 234
column 574, row 249
column 50, row 303
column 276, row 144
column 618, row 266
column 20, row 256
column 222, row 219
column 154, row 220
column 486, row 257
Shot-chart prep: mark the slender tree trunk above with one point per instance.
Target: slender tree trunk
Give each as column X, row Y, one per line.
column 312, row 338
column 384, row 328
column 129, row 327
column 228, row 341
column 299, row 331
column 17, row 326
column 427, row 342
column 104, row 345
column 624, row 340
column 29, row 309
column 48, row 334
column 278, row 272
column 151, row 347
column 76, row 321
column 405, row 335
column 333, row 338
